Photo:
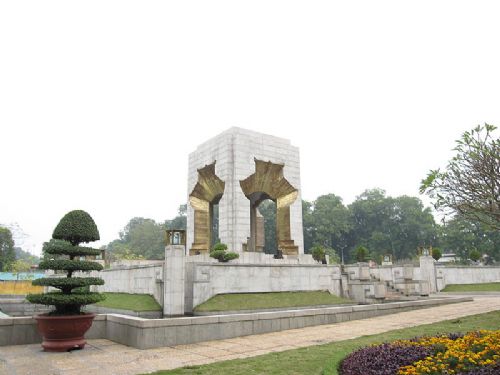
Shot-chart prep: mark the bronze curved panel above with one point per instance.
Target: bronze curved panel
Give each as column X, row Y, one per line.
column 268, row 182
column 207, row 191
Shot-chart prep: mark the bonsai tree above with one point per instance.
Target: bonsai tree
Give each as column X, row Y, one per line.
column 63, row 253
column 220, row 253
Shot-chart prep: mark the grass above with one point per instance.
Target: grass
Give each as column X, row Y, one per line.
column 134, row 302
column 255, row 301
column 324, row 359
column 485, row 287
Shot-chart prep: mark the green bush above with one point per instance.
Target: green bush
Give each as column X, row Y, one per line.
column 474, row 255
column 333, row 257
column 220, row 246
column 436, row 254
column 318, row 253
column 361, row 254
column 230, row 256
column 219, row 252
column 74, row 228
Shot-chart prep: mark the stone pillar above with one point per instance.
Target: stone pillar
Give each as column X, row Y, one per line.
column 428, row 271
column 173, row 276
column 364, row 271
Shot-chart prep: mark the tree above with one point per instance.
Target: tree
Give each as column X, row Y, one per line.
column 20, row 266
column 475, row 255
column 178, row 222
column 144, row 238
column 73, row 229
column 470, row 184
column 333, row 257
column 26, row 256
column 268, row 210
column 361, row 254
column 326, row 223
column 395, row 225
column 308, row 225
column 7, row 252
column 460, row 236
column 318, row 253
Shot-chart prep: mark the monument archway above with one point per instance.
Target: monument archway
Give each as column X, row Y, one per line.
column 205, row 196
column 268, row 182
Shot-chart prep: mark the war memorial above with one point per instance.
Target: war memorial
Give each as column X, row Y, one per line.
column 228, row 177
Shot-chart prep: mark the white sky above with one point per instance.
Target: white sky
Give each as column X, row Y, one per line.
column 101, row 101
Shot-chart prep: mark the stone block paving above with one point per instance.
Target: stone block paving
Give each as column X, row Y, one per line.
column 107, row 357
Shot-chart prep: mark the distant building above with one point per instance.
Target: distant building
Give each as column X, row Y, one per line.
column 448, row 258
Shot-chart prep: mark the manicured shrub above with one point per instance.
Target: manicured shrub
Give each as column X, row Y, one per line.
column 76, row 227
column 220, row 246
column 62, row 253
column 219, row 252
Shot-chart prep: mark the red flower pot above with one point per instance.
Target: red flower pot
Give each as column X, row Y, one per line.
column 64, row 332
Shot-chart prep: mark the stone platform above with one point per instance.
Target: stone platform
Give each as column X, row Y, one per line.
column 106, row 357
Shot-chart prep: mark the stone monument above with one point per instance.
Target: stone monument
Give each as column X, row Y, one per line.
column 231, row 174
column 174, row 273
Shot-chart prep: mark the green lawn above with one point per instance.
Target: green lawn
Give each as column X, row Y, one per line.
column 254, row 301
column 324, row 359
column 486, row 287
column 134, row 302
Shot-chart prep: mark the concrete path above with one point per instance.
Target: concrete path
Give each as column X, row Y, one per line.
column 107, row 357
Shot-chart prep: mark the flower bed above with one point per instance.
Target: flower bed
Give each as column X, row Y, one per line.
column 476, row 353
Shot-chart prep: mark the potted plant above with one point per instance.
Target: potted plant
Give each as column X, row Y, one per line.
column 64, row 327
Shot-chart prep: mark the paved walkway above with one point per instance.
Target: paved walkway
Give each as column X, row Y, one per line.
column 107, row 357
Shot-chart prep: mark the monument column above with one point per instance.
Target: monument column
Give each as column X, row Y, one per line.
column 428, row 271
column 174, row 273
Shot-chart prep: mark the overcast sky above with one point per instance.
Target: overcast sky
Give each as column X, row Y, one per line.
column 101, row 101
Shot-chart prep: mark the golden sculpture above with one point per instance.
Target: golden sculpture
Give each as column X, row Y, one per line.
column 207, row 192
column 268, row 183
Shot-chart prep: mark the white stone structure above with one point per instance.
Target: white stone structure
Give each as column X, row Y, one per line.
column 143, row 279
column 235, row 152
column 450, row 275
column 174, row 271
column 205, row 280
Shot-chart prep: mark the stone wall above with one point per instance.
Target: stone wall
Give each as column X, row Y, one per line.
column 447, row 275
column 146, row 279
column 438, row 276
column 153, row 333
column 205, row 280
column 257, row 272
